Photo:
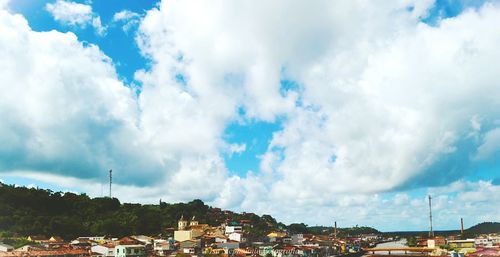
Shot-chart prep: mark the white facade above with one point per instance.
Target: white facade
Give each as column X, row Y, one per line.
column 104, row 250
column 6, row 248
column 233, row 229
column 297, row 239
column 162, row 246
column 183, row 235
column 487, row 241
column 93, row 238
column 220, row 240
column 238, row 237
column 130, row 250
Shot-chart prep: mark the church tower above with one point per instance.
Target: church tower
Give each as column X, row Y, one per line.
column 182, row 224
column 193, row 222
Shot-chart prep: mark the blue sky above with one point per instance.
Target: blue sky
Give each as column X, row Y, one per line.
column 227, row 104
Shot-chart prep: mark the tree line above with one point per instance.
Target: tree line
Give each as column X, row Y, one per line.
column 32, row 211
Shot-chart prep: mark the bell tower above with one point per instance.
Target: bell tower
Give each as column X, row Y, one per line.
column 193, row 221
column 182, row 224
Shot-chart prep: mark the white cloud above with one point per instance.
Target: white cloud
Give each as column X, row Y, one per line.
column 490, row 145
column 125, row 15
column 128, row 18
column 382, row 100
column 383, row 95
column 237, row 148
column 67, row 114
column 75, row 14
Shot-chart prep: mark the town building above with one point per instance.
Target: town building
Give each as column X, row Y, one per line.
column 106, row 250
column 130, row 251
column 183, row 235
column 6, row 248
column 465, row 243
column 162, row 247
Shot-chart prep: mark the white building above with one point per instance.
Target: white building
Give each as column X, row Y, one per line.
column 130, row 251
column 183, row 235
column 297, row 239
column 162, row 247
column 238, row 237
column 487, row 241
column 107, row 250
column 144, row 239
column 233, row 229
column 92, row 238
column 6, row 248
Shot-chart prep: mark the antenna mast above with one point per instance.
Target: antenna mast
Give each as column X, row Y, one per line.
column 431, row 233
column 335, row 230
column 110, row 181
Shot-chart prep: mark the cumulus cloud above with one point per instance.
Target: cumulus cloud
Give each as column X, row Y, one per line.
column 383, row 103
column 67, row 114
column 75, row 14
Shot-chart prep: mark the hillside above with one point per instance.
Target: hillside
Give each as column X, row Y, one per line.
column 29, row 211
column 484, row 228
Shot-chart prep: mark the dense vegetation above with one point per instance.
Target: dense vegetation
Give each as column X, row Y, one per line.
column 485, row 228
column 343, row 232
column 29, row 211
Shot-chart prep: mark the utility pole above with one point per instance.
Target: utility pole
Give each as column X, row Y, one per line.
column 110, row 181
column 431, row 233
column 462, row 226
column 335, row 230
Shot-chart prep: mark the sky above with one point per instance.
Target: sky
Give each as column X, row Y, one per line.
column 311, row 111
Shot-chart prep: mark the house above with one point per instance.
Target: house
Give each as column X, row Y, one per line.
column 190, row 246
column 82, row 243
column 6, row 248
column 129, row 241
column 228, row 246
column 233, row 229
column 276, row 236
column 98, row 239
column 183, row 235
column 297, row 239
column 221, row 239
column 487, row 240
column 238, row 237
column 146, row 240
column 163, row 247
column 106, row 250
column 466, row 243
column 369, row 237
column 439, row 240
column 130, row 250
